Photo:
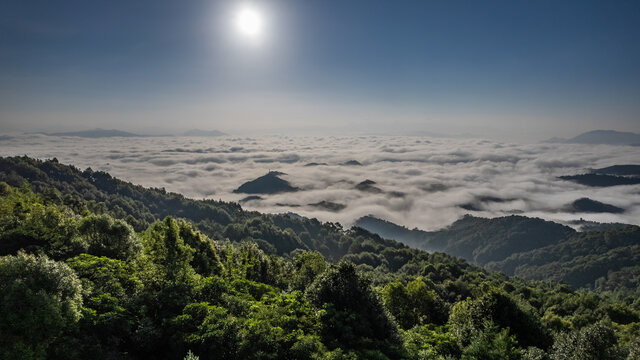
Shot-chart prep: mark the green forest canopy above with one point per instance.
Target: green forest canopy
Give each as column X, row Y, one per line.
column 93, row 267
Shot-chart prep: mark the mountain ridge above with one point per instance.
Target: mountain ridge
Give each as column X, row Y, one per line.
column 596, row 137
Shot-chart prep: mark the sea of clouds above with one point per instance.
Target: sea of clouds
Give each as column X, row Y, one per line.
column 424, row 180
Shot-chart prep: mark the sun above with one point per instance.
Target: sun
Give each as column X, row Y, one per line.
column 249, row 22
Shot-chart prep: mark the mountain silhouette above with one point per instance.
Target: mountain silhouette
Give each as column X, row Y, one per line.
column 266, row 184
column 609, row 137
column 620, row 170
column 601, row 180
column 369, row 186
column 592, row 206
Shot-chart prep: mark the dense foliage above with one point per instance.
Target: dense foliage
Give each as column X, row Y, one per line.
column 105, row 269
column 604, row 257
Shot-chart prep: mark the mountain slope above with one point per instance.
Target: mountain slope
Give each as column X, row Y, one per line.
column 609, row 137
column 586, row 205
column 580, row 260
column 534, row 249
column 620, row 170
column 476, row 239
column 266, row 184
column 601, row 180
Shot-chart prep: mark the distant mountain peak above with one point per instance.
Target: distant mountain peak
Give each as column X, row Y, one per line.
column 352, row 163
column 329, row 205
column 586, row 205
column 608, row 137
column 270, row 183
column 619, row 170
column 369, row 186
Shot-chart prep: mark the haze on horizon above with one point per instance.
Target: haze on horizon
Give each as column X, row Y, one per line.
column 496, row 68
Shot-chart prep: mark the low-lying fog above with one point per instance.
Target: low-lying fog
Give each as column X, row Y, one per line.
column 423, row 181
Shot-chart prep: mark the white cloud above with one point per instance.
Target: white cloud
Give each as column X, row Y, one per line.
column 424, row 180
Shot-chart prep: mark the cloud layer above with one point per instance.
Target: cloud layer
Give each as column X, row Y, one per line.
column 424, row 181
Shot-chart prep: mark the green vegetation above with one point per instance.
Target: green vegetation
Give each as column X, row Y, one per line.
column 606, row 261
column 93, row 267
column 605, row 258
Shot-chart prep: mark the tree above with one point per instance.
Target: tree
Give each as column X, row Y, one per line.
column 593, row 342
column 191, row 356
column 491, row 343
column 39, row 299
column 167, row 251
column 208, row 329
column 352, row 315
column 169, row 283
column 205, row 259
column 414, row 304
column 308, row 265
column 469, row 316
column 108, row 237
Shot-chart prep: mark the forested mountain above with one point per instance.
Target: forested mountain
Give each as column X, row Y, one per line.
column 478, row 240
column 586, row 205
column 270, row 183
column 609, row 260
column 94, row 267
column 608, row 176
column 605, row 259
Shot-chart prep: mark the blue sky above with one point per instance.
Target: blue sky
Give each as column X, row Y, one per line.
column 505, row 68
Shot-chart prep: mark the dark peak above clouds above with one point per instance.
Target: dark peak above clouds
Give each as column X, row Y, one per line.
column 315, row 164
column 601, row 180
column 369, row 186
column 608, row 176
column 609, row 137
column 329, row 205
column 479, row 203
column 586, row 205
column 352, row 163
column 270, row 183
column 204, row 133
column 250, row 198
column 620, row 170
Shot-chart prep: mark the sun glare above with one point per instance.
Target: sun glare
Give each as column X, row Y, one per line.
column 249, row 22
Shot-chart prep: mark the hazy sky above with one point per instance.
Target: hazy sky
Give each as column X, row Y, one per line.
column 527, row 69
